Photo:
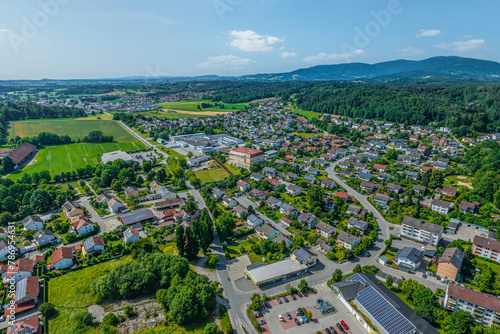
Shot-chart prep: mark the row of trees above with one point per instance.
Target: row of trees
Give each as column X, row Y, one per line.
column 199, row 236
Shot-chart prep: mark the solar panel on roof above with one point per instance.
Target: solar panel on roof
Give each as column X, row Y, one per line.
column 21, row 289
column 301, row 255
column 383, row 312
column 356, row 278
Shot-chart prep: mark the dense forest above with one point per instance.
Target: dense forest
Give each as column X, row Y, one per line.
column 30, row 110
column 465, row 109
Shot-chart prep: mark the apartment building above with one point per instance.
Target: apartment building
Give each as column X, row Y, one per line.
column 486, row 247
column 450, row 263
column 246, row 157
column 484, row 308
column 421, row 231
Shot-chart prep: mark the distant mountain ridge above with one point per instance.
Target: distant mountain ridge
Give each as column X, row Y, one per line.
column 436, row 67
column 442, row 67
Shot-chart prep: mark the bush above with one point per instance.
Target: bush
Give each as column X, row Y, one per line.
column 110, row 319
column 213, row 259
column 211, row 328
column 88, row 319
column 48, row 310
column 129, row 311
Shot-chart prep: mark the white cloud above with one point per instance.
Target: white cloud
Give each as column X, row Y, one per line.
column 410, row 51
column 320, row 57
column 3, row 32
column 228, row 62
column 287, row 54
column 429, row 33
column 250, row 41
column 463, row 46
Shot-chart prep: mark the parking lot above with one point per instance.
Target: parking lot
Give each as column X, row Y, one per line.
column 319, row 321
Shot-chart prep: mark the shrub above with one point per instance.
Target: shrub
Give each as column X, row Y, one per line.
column 48, row 310
column 129, row 311
column 110, row 319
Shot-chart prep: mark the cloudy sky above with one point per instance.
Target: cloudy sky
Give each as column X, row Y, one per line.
column 114, row 38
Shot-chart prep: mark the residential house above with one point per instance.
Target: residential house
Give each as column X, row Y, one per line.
column 93, row 245
column 393, row 188
column 486, row 248
column 308, row 220
column 131, row 235
column 283, row 238
column 266, row 231
column 62, row 258
column 273, row 202
column 419, row 189
column 154, row 186
column 82, row 225
column 243, row 185
column 29, row 325
column 412, row 175
column 449, row 191
column 356, row 210
column 347, row 240
column 254, row 221
column 303, row 256
column 441, row 206
column 450, row 263
column 365, row 176
column 325, row 230
column 217, row 193
column 288, row 209
column 115, row 205
column 291, row 176
column 18, row 270
column 34, row 223
column 324, row 245
column 257, row 177
column 381, row 199
column 361, row 225
column 44, row 237
column 379, row 168
column 384, row 177
column 408, row 258
column 468, row 207
column 131, row 191
column 367, row 186
column 229, row 202
column 327, row 183
column 286, row 221
column 310, row 179
column 239, row 211
column 293, row 190
column 72, row 209
column 27, row 290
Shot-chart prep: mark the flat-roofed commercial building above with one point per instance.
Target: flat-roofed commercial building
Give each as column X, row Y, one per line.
column 421, row 231
column 246, row 157
column 275, row 272
column 484, row 308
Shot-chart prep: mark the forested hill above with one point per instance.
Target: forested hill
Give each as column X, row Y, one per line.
column 30, row 110
column 465, row 109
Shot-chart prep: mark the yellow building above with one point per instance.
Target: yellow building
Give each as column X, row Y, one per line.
column 246, row 157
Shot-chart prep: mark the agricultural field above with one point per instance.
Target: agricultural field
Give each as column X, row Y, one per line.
column 75, row 128
column 67, row 158
column 307, row 114
column 193, row 106
column 71, row 295
column 217, row 174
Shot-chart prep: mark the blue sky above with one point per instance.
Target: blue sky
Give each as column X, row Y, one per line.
column 101, row 39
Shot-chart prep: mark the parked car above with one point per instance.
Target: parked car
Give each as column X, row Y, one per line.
column 281, row 317
column 305, row 319
column 262, row 322
column 258, row 315
column 344, row 324
column 286, row 299
column 327, row 330
column 267, row 304
column 297, row 321
column 299, row 293
column 293, row 297
column 301, row 320
column 424, row 275
column 333, row 330
column 288, row 315
column 340, row 328
column 279, row 300
column 319, row 301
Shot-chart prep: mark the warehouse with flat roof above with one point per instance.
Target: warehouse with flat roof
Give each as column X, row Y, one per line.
column 282, row 270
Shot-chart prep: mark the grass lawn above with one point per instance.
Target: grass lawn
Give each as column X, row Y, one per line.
column 457, row 181
column 234, row 250
column 171, row 152
column 217, row 174
column 307, row 114
column 306, row 136
column 67, row 158
column 71, row 294
column 76, row 129
column 254, row 258
column 170, row 248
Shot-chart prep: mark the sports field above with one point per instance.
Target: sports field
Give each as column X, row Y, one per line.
column 75, row 128
column 67, row 158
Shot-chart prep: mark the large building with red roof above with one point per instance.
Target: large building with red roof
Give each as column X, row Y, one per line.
column 246, row 157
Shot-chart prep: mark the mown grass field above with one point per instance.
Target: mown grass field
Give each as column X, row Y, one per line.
column 71, row 295
column 307, row 114
column 306, row 136
column 67, row 158
column 193, row 106
column 75, row 128
column 217, row 174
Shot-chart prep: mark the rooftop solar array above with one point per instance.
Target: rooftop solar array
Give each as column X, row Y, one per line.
column 356, row 278
column 301, row 255
column 410, row 253
column 383, row 312
column 21, row 289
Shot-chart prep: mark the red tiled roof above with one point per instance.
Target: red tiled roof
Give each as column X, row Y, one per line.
column 61, row 253
column 20, row 153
